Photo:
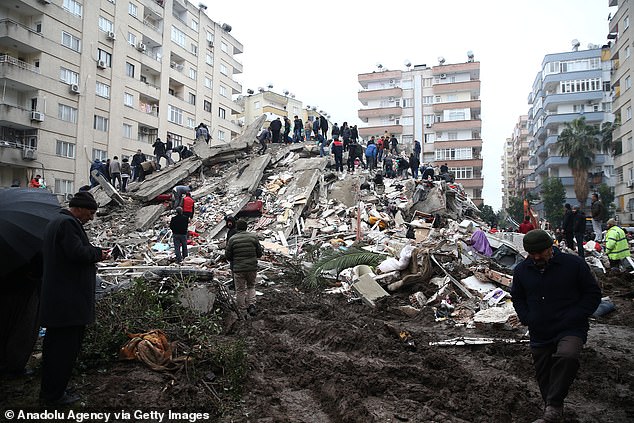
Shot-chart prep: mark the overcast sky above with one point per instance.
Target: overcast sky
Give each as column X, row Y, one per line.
column 508, row 38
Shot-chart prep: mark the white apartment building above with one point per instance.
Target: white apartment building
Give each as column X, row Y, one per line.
column 516, row 170
column 83, row 80
column 439, row 106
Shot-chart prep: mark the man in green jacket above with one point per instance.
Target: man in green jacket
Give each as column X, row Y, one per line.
column 616, row 246
column 243, row 250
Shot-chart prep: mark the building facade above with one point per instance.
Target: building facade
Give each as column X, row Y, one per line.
column 569, row 85
column 621, row 49
column 84, row 80
column 439, row 106
column 516, row 170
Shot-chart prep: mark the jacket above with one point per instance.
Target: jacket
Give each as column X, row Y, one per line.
column 125, row 169
column 579, row 225
column 188, row 205
column 276, row 125
column 138, row 158
column 556, row 302
column 335, row 130
column 336, row 147
column 316, row 125
column 616, row 246
column 597, row 210
column 568, row 223
column 159, row 147
column 370, row 150
column 243, row 250
column 526, row 227
column 323, row 124
column 179, row 224
column 68, row 282
column 115, row 167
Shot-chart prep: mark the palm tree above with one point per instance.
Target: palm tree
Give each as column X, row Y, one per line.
column 579, row 141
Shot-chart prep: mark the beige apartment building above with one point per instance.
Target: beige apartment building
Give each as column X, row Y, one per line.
column 621, row 48
column 439, row 106
column 83, row 80
column 516, row 170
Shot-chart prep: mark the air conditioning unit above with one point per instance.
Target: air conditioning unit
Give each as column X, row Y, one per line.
column 443, row 76
column 145, row 130
column 210, row 43
column 630, row 183
column 141, row 47
column 391, row 99
column 29, row 154
column 101, row 64
column 73, row 88
column 37, row 116
column 111, row 36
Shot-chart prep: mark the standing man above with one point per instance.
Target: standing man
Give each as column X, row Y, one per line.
column 323, row 125
column 554, row 294
column 202, row 133
column 137, row 159
column 287, row 129
column 115, row 172
column 243, row 250
column 444, row 169
column 126, row 171
column 337, row 150
column 297, row 129
column 568, row 226
column 68, row 294
column 414, row 164
column 178, row 225
column 159, row 151
column 598, row 214
column 308, row 128
column 169, row 146
column 526, row 226
column 275, row 127
column 579, row 228
column 316, row 125
column 188, row 205
column 417, row 149
column 370, row 155
column 394, row 145
column 616, row 246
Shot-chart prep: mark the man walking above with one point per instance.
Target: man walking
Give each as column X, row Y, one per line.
column 169, row 146
column 616, row 246
column 68, row 294
column 554, row 294
column 159, row 151
column 598, row 214
column 178, row 225
column 243, row 250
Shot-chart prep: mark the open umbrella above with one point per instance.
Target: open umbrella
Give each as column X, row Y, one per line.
column 24, row 214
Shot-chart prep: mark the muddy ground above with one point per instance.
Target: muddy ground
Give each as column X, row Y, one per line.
column 315, row 357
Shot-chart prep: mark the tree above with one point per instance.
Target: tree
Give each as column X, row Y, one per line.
column 515, row 209
column 488, row 215
column 606, row 194
column 554, row 196
column 579, row 141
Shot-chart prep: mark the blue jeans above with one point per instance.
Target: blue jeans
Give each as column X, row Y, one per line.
column 297, row 135
column 180, row 247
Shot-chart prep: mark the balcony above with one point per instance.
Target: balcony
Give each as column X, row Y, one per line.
column 472, row 67
column 379, row 112
column 20, row 37
column 18, row 116
column 553, row 100
column 560, row 119
column 471, row 104
column 380, row 130
column 384, row 93
column 474, row 163
column 455, row 125
column 23, row 76
column 471, row 183
column 364, row 78
column 454, row 87
column 232, row 63
column 557, row 161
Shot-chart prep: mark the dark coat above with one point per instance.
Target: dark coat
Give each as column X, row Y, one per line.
column 579, row 222
column 557, row 302
column 568, row 223
column 68, row 284
column 138, row 158
column 159, row 147
column 276, row 125
column 598, row 210
column 323, row 124
column 243, row 250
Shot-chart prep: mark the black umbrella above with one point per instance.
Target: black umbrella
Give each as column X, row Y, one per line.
column 24, row 214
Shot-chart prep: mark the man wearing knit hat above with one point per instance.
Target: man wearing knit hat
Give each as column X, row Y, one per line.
column 68, row 294
column 554, row 294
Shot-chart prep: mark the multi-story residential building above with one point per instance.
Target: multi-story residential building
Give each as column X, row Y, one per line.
column 622, row 76
column 508, row 173
column 569, row 85
column 439, row 106
column 84, row 80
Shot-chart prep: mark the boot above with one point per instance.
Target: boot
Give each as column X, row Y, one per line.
column 553, row 414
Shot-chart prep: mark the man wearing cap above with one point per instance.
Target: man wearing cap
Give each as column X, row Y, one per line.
column 554, row 294
column 68, row 294
column 243, row 250
column 616, row 246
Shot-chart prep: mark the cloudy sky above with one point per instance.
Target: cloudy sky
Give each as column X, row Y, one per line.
column 316, row 50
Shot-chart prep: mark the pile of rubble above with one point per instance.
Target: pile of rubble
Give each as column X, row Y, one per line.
column 418, row 232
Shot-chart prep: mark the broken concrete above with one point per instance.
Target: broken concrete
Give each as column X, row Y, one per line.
column 108, row 189
column 147, row 215
column 166, row 179
column 369, row 290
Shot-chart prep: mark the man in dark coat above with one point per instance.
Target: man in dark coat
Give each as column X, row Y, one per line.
column 96, row 165
column 323, row 125
column 287, row 129
column 137, row 169
column 568, row 225
column 178, row 225
column 68, row 294
column 579, row 228
column 159, row 151
column 243, row 250
column 275, row 127
column 554, row 294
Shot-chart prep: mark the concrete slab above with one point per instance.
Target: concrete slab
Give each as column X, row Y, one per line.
column 198, row 297
column 146, row 216
column 166, row 179
column 369, row 289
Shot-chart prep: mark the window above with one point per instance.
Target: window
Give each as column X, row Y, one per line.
column 100, row 123
column 462, row 172
column 129, row 69
column 207, row 82
column 64, row 186
column 626, row 22
column 128, row 100
column 67, row 113
column 174, row 114
column 194, row 49
column 192, row 98
column 38, row 27
column 127, row 130
column 207, row 106
column 628, row 82
column 408, row 102
column 99, row 154
column 257, row 105
column 452, row 136
column 105, row 56
column 178, row 36
column 223, row 69
column 65, row 149
column 105, row 24
column 194, row 25
column 209, row 59
column 222, row 113
column 71, row 42
column 191, row 123
column 222, row 90
column 192, row 73
column 132, row 39
column 68, row 76
column 628, row 113
column 438, row 99
column 177, row 139
column 428, row 119
column 73, row 7
column 427, row 82
column 102, row 90
column 223, row 46
column 221, row 135
column 580, row 85
column 628, row 52
column 210, row 36
column 133, row 10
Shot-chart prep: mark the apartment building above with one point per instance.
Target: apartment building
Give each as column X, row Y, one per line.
column 439, row 106
column 84, row 80
column 508, row 173
column 569, row 85
column 621, row 49
column 516, row 170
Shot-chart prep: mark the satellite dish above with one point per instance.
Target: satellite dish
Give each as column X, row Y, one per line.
column 307, row 107
column 408, row 64
column 286, row 92
column 314, row 108
column 441, row 60
column 575, row 44
column 470, row 56
column 202, row 6
column 260, row 89
column 380, row 66
column 270, row 86
column 250, row 91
